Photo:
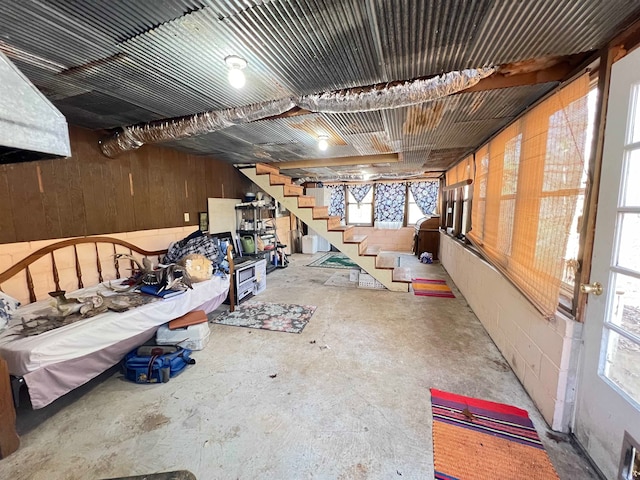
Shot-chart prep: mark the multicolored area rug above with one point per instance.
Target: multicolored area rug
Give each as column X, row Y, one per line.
column 476, row 440
column 431, row 288
column 280, row 317
column 333, row 260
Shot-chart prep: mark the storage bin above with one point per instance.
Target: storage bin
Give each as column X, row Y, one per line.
column 193, row 337
column 309, row 244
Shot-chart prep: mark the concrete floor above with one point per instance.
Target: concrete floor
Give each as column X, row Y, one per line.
column 350, row 399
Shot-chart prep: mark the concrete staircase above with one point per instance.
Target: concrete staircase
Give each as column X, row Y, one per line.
column 383, row 267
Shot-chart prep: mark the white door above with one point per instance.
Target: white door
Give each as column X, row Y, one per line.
column 608, row 397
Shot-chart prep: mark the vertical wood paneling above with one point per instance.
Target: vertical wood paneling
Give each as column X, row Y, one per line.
column 70, row 198
column 26, row 202
column 7, row 230
column 89, row 194
column 125, row 219
column 49, row 194
column 141, row 200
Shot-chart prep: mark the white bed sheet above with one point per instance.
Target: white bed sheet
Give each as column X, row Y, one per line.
column 27, row 354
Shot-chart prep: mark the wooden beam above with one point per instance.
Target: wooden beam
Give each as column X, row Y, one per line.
column 532, row 72
column 339, row 161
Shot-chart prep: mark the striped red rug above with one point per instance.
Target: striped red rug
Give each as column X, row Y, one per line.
column 431, row 288
column 478, row 440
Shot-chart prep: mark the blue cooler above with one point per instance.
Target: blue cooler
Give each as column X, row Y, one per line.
column 155, row 363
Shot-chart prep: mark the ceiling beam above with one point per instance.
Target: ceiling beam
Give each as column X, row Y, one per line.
column 531, row 72
column 339, row 161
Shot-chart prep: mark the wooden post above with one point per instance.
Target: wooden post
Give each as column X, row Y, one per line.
column 9, row 440
column 232, row 289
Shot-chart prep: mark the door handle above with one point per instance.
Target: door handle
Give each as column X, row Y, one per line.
column 595, row 288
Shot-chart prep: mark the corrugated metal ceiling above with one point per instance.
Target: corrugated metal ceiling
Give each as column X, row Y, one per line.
column 112, row 63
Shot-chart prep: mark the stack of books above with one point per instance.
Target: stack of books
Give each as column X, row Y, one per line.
column 155, row 290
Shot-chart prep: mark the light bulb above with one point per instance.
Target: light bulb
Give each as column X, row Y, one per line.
column 236, row 78
column 236, row 75
column 323, row 143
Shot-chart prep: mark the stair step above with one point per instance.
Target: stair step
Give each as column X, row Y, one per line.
column 264, row 168
column 361, row 240
column 371, row 251
column 402, row 274
column 276, row 179
column 332, row 222
column 341, row 228
column 320, row 212
column 306, row 202
column 293, row 190
column 387, row 260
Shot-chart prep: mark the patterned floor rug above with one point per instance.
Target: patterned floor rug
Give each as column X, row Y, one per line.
column 333, row 260
column 475, row 440
column 431, row 288
column 280, row 317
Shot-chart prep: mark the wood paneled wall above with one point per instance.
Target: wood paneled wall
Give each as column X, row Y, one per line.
column 89, row 194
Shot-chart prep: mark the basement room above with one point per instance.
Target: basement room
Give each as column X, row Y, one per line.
column 319, row 239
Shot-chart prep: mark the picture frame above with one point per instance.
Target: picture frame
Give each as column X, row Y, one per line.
column 203, row 221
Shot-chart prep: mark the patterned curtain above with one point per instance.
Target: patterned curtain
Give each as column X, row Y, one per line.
column 389, row 202
column 336, row 204
column 359, row 191
column 426, row 195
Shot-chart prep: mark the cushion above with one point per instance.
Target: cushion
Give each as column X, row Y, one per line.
column 8, row 306
column 191, row 318
column 198, row 267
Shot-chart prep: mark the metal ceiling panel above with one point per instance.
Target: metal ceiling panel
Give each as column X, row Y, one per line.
column 124, row 78
column 421, row 37
column 190, row 53
column 311, row 46
column 120, row 20
column 117, row 62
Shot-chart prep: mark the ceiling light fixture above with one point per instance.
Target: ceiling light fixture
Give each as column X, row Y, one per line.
column 236, row 75
column 323, row 142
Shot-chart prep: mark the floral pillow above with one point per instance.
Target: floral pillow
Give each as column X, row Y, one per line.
column 8, row 306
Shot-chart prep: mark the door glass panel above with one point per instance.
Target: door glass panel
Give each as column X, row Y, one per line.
column 622, row 365
column 628, row 256
column 626, row 303
column 631, row 197
column 634, row 126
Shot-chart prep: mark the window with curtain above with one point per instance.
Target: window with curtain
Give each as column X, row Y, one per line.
column 389, row 204
column 425, row 195
column 336, row 201
column 413, row 210
column 528, row 186
column 360, row 204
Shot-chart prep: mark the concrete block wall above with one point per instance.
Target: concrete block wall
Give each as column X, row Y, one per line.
column 11, row 253
column 395, row 240
column 542, row 353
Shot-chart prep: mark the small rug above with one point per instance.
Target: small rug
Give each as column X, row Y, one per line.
column 431, row 288
column 333, row 260
column 341, row 279
column 280, row 317
column 475, row 440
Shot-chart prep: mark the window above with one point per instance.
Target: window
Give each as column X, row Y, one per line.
column 360, row 213
column 457, row 198
column 529, row 185
column 413, row 210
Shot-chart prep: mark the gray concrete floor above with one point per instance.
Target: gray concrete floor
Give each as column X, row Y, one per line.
column 350, row 399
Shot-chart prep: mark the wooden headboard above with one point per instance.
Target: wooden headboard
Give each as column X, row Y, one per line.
column 72, row 244
column 96, row 269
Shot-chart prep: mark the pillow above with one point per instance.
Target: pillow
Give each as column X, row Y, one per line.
column 198, row 267
column 203, row 245
column 8, row 306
